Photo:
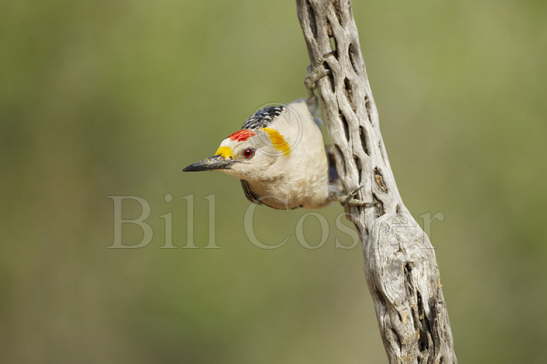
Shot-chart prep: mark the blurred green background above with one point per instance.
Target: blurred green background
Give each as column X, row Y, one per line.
column 103, row 98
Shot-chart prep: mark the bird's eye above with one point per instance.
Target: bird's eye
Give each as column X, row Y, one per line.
column 248, row 153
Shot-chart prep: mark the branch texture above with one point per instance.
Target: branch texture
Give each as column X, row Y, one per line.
column 400, row 263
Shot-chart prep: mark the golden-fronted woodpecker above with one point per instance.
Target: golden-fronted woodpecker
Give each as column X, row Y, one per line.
column 279, row 156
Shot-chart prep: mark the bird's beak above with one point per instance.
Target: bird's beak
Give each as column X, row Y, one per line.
column 212, row 163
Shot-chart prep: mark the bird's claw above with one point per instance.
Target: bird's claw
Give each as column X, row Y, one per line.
column 351, row 201
column 315, row 74
column 317, row 71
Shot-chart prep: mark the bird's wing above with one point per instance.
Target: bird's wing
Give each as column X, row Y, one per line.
column 251, row 196
column 263, row 117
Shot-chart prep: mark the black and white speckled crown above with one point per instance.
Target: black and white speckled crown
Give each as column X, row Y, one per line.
column 263, row 117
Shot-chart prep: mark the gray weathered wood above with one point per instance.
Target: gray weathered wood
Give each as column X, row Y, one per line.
column 400, row 263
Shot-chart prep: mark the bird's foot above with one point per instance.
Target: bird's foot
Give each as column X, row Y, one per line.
column 351, row 201
column 315, row 74
column 317, row 71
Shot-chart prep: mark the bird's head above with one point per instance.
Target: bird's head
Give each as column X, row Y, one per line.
column 246, row 154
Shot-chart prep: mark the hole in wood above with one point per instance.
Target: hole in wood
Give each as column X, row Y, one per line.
column 353, row 58
column 380, row 211
column 333, row 174
column 311, row 18
column 349, row 93
column 330, row 75
column 397, row 337
column 424, row 339
column 338, row 10
column 330, row 33
column 341, row 158
column 344, row 124
column 359, row 167
column 364, row 140
column 333, row 47
column 379, row 179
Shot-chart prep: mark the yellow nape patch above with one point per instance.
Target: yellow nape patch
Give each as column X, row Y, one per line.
column 278, row 141
column 225, row 152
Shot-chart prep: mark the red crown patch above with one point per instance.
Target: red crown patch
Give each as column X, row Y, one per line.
column 242, row 135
